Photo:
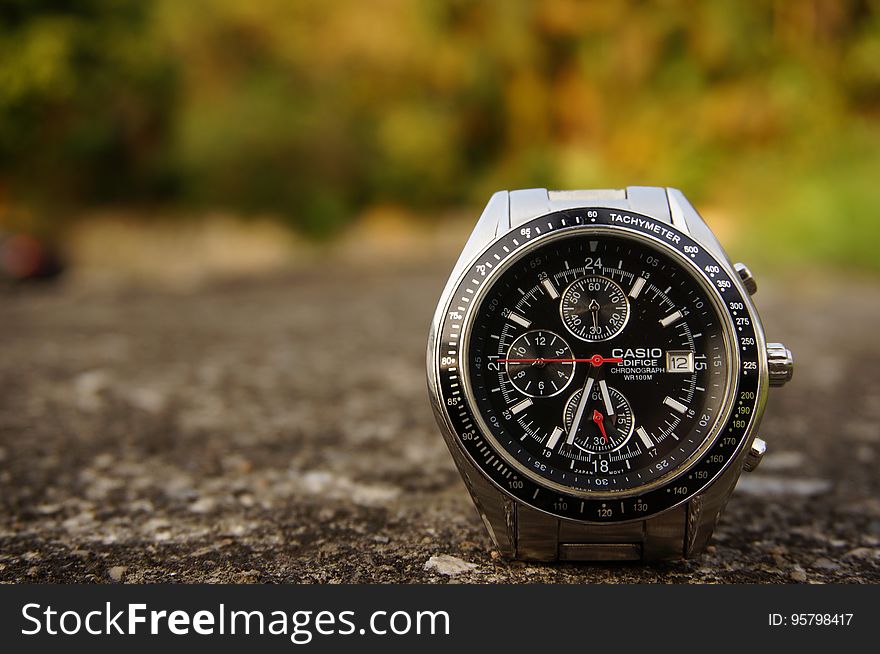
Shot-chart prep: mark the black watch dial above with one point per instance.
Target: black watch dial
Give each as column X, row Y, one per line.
column 597, row 362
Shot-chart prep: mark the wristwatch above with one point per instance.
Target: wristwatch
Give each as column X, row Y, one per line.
column 598, row 370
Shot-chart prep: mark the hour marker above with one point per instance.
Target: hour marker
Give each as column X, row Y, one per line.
column 593, row 245
column 645, row 438
column 675, row 404
column 555, row 435
column 665, row 322
column 550, row 288
column 637, row 287
column 525, row 322
column 519, row 407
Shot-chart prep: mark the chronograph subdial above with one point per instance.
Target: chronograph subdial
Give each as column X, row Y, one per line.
column 539, row 363
column 608, row 421
column 594, row 308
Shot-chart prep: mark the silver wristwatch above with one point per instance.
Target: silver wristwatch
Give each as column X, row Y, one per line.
column 598, row 370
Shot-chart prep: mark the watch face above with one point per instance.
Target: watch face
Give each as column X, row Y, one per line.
column 598, row 365
column 598, row 362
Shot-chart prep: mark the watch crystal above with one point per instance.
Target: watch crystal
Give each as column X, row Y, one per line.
column 597, row 363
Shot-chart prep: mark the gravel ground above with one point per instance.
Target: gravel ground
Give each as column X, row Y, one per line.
column 279, row 431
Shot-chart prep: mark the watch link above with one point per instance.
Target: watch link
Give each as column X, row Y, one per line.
column 598, row 370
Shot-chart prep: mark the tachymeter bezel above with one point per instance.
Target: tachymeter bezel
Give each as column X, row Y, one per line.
column 725, row 442
column 544, row 479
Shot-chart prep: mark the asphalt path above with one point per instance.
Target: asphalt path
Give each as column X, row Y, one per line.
column 278, row 430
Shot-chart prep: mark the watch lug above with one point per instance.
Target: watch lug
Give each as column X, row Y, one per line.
column 705, row 508
column 684, row 214
column 494, row 220
column 497, row 510
column 651, row 201
column 526, row 204
column 537, row 535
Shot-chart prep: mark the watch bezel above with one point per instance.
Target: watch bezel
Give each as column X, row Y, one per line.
column 462, row 422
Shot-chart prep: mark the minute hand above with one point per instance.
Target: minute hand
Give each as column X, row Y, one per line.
column 606, row 398
column 581, row 408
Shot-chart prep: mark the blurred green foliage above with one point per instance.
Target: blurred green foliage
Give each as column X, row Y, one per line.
column 87, row 102
column 768, row 110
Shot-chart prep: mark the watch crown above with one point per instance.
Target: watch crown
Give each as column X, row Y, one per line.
column 746, row 276
column 756, row 453
column 780, row 364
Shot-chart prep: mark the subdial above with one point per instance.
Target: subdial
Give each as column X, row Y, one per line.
column 607, row 422
column 539, row 363
column 594, row 308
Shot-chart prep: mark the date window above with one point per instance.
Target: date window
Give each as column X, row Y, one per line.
column 679, row 361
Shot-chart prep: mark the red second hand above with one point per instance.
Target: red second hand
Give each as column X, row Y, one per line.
column 596, row 360
column 599, row 419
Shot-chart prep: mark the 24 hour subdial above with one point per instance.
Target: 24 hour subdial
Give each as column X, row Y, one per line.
column 539, row 363
column 607, row 422
column 594, row 308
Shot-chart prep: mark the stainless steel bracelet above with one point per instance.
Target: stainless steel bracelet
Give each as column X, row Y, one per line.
column 650, row 200
column 543, row 537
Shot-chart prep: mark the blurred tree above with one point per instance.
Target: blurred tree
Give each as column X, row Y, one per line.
column 313, row 111
column 86, row 101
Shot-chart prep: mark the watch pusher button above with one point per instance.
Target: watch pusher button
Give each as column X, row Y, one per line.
column 756, row 453
column 746, row 276
column 780, row 364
